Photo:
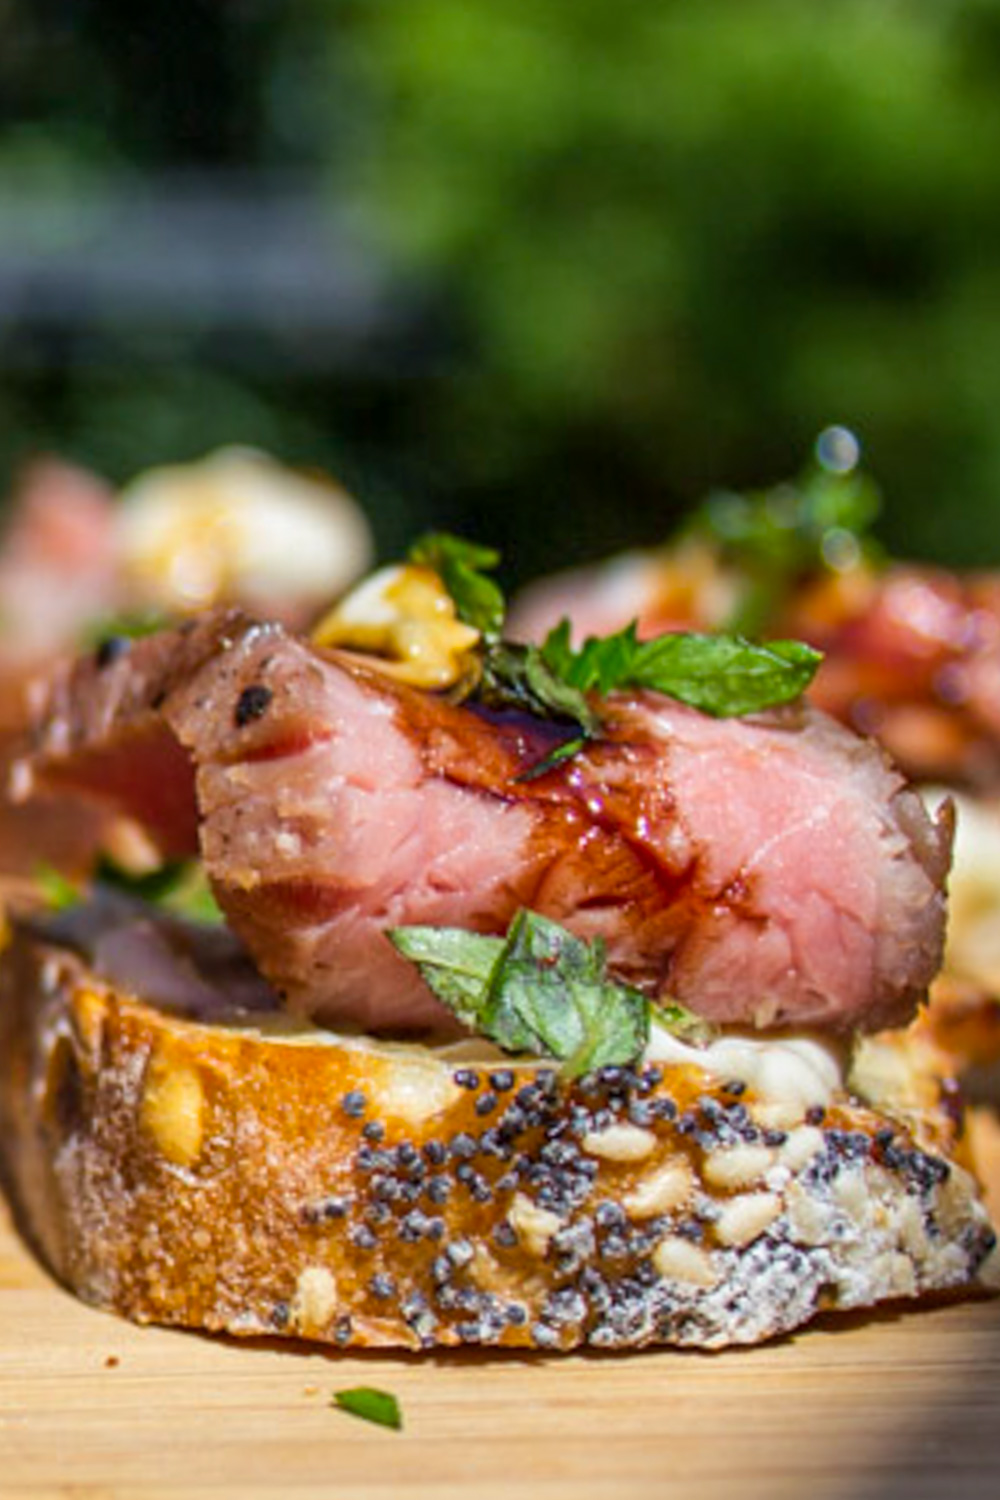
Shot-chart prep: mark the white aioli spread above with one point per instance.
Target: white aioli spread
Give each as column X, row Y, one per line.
column 794, row 1070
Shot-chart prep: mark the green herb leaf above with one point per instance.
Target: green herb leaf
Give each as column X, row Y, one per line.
column 555, row 757
column 603, row 662
column 551, row 992
column 539, row 990
column 682, row 1023
column 372, row 1405
column 129, row 627
column 722, row 675
column 460, row 566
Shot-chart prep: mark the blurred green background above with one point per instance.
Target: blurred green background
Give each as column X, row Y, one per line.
column 544, row 271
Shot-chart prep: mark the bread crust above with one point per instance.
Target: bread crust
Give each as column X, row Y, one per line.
column 274, row 1179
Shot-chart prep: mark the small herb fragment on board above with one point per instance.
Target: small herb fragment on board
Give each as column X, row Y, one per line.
column 371, row 1405
column 538, row 990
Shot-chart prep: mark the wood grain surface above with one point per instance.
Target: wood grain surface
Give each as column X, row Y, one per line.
column 903, row 1404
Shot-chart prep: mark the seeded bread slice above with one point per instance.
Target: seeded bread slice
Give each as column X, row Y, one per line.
column 235, row 1174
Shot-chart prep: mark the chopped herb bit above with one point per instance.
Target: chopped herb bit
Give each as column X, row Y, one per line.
column 682, row 1023
column 539, row 990
column 555, row 757
column 370, row 1404
column 122, row 628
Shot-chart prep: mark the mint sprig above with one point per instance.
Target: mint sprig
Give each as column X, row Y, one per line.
column 539, row 990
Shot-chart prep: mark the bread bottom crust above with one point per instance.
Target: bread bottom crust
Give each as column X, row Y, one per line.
column 234, row 1175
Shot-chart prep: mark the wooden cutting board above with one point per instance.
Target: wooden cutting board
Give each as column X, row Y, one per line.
column 904, row 1404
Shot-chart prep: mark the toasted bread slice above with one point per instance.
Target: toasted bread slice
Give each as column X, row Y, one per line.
column 243, row 1173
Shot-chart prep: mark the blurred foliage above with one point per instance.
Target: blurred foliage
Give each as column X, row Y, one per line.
column 653, row 249
column 681, row 239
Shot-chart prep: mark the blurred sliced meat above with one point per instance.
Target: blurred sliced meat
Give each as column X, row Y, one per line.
column 236, row 526
column 56, row 576
column 912, row 653
column 57, row 572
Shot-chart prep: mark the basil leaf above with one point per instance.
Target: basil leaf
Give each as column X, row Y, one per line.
column 722, row 675
column 540, row 990
column 370, row 1404
column 602, row 663
column 460, row 565
column 557, row 649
